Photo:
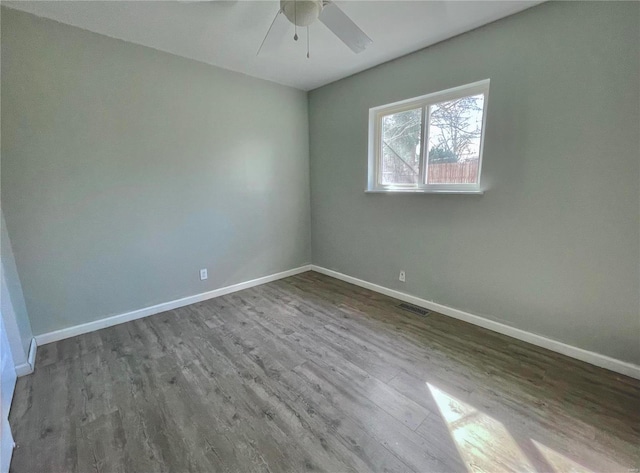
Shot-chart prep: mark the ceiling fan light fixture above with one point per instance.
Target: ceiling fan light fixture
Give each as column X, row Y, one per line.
column 301, row 12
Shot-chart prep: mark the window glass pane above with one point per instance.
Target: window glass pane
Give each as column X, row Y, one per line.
column 401, row 147
column 455, row 129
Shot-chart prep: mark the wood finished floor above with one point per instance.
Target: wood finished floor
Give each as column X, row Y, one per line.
column 313, row 374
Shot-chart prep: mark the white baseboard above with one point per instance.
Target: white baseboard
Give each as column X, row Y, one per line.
column 24, row 369
column 68, row 332
column 603, row 361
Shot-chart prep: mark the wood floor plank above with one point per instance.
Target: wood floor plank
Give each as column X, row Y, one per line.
column 292, row 394
column 387, row 430
column 310, row 373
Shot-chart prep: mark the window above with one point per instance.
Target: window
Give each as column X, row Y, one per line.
column 450, row 123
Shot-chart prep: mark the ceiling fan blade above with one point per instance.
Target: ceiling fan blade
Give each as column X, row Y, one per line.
column 275, row 34
column 345, row 29
column 278, row 32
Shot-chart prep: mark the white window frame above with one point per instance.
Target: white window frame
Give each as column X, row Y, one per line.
column 375, row 140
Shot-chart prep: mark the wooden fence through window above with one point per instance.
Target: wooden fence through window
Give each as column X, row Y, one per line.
column 453, row 173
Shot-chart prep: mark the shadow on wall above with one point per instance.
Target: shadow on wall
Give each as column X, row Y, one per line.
column 14, row 310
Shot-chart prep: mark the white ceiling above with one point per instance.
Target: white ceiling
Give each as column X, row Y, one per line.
column 228, row 33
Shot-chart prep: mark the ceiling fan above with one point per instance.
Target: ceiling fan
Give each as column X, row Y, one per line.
column 302, row 13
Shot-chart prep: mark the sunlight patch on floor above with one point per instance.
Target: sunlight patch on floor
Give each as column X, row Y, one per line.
column 558, row 461
column 483, row 442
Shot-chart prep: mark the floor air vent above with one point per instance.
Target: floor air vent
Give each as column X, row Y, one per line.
column 414, row 308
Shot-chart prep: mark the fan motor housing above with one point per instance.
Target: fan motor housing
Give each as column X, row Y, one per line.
column 301, row 12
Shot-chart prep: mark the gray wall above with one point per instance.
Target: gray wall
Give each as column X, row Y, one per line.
column 552, row 247
column 125, row 170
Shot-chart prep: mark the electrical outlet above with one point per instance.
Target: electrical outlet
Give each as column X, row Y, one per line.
column 402, row 276
column 203, row 274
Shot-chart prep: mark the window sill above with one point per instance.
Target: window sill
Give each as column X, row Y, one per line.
column 423, row 191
